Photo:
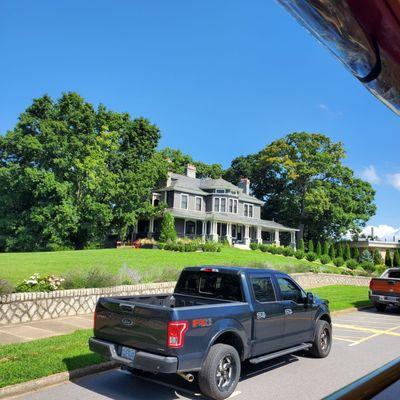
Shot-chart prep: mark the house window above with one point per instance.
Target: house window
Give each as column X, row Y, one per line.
column 230, row 209
column 220, row 191
column 198, row 203
column 235, row 206
column 216, row 204
column 223, row 204
column 250, row 210
column 190, row 228
column 234, row 231
column 246, row 210
column 184, row 201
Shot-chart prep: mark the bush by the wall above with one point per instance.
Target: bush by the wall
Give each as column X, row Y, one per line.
column 288, row 251
column 380, row 269
column 311, row 256
column 94, row 277
column 299, row 254
column 211, row 247
column 338, row 261
column 325, row 259
column 38, row 283
column 345, row 271
column 368, row 266
column 6, row 287
column 360, row 271
column 263, row 247
column 352, row 264
column 254, row 246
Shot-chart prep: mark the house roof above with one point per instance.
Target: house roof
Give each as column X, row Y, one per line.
column 187, row 184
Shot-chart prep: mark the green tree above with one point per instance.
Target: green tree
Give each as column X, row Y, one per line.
column 388, row 259
column 332, row 251
column 310, row 247
column 168, row 231
column 304, row 183
column 69, row 174
column 366, row 256
column 396, row 258
column 301, row 245
column 355, row 253
column 179, row 161
column 340, row 250
column 326, row 247
column 319, row 248
column 347, row 252
column 378, row 260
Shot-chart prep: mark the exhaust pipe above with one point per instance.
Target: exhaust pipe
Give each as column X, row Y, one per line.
column 187, row 377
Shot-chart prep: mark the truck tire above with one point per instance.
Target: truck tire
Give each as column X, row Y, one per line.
column 323, row 340
column 220, row 372
column 380, row 306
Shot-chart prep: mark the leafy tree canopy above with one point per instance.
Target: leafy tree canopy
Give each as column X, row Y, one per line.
column 304, row 183
column 179, row 161
column 70, row 173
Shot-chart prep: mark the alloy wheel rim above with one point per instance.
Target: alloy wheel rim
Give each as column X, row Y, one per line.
column 324, row 340
column 225, row 373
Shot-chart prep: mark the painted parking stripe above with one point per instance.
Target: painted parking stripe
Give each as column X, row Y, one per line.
column 371, row 330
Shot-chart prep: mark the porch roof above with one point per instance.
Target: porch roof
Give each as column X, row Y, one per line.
column 232, row 218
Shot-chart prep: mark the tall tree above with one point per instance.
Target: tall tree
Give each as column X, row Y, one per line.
column 347, row 252
column 304, row 183
column 310, row 247
column 319, row 248
column 69, row 174
column 355, row 253
column 388, row 259
column 396, row 258
column 179, row 161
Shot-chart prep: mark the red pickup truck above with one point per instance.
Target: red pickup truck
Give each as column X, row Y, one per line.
column 386, row 289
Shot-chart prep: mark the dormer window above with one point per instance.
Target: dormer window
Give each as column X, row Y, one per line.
column 223, row 204
column 219, row 190
column 184, row 201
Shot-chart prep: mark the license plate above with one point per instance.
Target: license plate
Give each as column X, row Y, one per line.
column 389, row 298
column 128, row 353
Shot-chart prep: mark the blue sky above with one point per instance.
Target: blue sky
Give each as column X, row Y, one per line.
column 220, row 79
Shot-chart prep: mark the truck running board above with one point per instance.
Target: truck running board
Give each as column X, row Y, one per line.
column 290, row 350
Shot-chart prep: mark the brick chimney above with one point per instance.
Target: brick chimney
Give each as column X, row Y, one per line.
column 191, row 171
column 244, row 184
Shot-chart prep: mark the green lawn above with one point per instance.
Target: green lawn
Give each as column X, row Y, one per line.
column 342, row 297
column 26, row 361
column 149, row 263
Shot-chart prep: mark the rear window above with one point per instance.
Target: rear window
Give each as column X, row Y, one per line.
column 210, row 284
column 394, row 274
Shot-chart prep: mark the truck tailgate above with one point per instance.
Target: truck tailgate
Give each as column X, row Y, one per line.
column 132, row 324
column 385, row 285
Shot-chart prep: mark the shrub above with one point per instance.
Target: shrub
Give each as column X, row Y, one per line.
column 263, row 248
column 168, row 231
column 190, row 247
column 380, row 269
column 355, row 253
column 301, row 245
column 128, row 276
column 366, row 256
column 310, row 247
column 211, row 246
column 325, row 259
column 272, row 249
column 352, row 264
column 94, row 277
column 319, row 248
column 340, row 250
column 347, row 253
column 345, row 271
column 396, row 258
column 332, row 252
column 325, row 249
column 37, row 283
column 338, row 261
column 279, row 250
column 315, row 269
column 378, row 260
column 288, row 251
column 311, row 256
column 254, row 246
column 161, row 245
column 6, row 287
column 368, row 266
column 299, row 254
column 388, row 258
column 360, row 271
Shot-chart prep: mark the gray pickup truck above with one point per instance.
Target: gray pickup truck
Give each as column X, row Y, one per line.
column 216, row 318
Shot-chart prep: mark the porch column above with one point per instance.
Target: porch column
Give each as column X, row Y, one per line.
column 277, row 241
column 214, row 234
column 151, row 228
column 246, row 238
column 229, row 233
column 203, row 231
column 259, row 238
column 293, row 239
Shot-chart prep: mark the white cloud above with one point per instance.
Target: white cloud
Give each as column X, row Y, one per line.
column 322, row 106
column 383, row 232
column 394, row 180
column 329, row 111
column 370, row 175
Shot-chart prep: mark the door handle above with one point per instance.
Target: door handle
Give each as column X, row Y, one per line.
column 288, row 311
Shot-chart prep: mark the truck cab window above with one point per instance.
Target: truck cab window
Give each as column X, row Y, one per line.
column 263, row 289
column 290, row 291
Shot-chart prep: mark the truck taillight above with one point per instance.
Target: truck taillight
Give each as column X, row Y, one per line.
column 176, row 333
column 94, row 319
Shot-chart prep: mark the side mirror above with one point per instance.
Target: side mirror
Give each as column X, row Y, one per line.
column 310, row 298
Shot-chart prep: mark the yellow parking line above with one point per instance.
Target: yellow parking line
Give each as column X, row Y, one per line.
column 371, row 330
column 372, row 322
column 344, row 340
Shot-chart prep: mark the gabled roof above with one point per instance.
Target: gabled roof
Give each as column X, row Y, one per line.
column 208, row 183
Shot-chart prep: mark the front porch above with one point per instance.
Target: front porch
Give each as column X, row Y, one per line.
column 214, row 230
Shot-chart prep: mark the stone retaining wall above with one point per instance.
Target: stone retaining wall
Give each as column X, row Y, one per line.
column 26, row 307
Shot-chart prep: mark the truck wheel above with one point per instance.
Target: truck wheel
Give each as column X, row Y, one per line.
column 220, row 372
column 323, row 340
column 380, row 306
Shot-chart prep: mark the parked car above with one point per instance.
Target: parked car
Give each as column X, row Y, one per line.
column 216, row 318
column 386, row 289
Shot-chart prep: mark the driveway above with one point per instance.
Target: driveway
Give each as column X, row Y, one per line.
column 363, row 341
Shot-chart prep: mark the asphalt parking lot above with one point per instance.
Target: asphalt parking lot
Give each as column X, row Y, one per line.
column 363, row 341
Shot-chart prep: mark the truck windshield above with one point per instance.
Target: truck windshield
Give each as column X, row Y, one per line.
column 210, row 284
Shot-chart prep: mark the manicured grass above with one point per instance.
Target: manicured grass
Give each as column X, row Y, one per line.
column 26, row 361
column 342, row 297
column 149, row 263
